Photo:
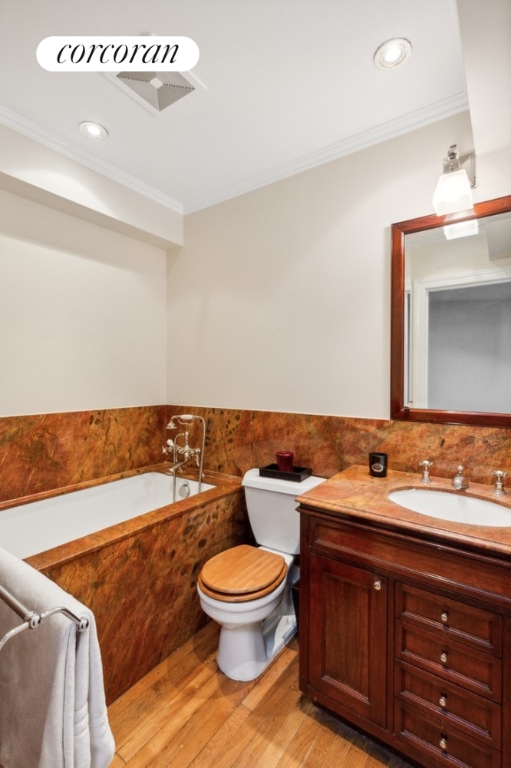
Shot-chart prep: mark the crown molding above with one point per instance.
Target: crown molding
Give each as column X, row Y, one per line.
column 384, row 132
column 39, row 135
column 381, row 133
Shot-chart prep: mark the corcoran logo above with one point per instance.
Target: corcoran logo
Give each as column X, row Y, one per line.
column 110, row 54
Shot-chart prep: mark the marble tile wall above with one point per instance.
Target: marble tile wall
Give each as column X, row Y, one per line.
column 239, row 440
column 42, row 452
column 142, row 586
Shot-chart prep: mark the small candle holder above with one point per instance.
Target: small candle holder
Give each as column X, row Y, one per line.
column 284, row 461
column 378, row 464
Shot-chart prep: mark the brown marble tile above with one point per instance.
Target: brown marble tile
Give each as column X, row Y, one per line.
column 39, row 453
column 139, row 578
column 238, row 440
column 480, row 449
column 42, row 452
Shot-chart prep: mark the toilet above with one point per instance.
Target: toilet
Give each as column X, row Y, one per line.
column 247, row 589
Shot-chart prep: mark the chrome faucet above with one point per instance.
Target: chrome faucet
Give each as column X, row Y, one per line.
column 426, row 466
column 499, row 482
column 176, row 464
column 180, row 446
column 459, row 481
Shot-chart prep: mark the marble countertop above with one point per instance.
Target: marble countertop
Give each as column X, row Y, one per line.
column 354, row 494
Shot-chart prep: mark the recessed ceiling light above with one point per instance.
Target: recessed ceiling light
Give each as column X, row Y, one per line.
column 393, row 53
column 93, row 130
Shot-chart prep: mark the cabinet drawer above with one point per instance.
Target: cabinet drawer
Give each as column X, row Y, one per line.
column 465, row 711
column 459, row 621
column 475, row 670
column 427, row 736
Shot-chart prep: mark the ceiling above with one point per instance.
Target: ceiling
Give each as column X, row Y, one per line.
column 284, row 85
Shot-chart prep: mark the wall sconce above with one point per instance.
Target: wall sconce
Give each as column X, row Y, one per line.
column 453, row 192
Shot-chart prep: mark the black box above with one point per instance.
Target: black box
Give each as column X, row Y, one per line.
column 297, row 475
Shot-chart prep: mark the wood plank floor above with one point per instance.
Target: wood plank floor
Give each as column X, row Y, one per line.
column 186, row 713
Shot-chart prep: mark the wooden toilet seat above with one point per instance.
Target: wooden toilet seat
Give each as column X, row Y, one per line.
column 242, row 573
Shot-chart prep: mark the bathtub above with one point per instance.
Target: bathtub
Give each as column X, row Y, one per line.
column 41, row 525
column 137, row 576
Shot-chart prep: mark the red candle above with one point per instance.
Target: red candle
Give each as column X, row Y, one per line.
column 284, row 461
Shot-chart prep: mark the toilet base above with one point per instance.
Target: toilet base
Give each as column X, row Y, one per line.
column 244, row 651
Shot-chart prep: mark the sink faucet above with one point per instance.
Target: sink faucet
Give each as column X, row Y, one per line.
column 459, row 481
column 426, row 466
column 499, row 482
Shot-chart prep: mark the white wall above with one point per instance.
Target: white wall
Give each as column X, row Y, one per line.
column 45, row 176
column 280, row 299
column 82, row 314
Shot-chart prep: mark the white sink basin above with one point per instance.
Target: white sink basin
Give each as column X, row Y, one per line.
column 455, row 507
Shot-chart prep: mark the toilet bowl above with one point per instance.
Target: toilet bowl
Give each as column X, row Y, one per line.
column 249, row 616
column 247, row 589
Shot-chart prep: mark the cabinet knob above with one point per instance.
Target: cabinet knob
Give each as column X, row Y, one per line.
column 445, row 617
column 443, row 743
column 377, row 584
column 442, row 701
column 443, row 658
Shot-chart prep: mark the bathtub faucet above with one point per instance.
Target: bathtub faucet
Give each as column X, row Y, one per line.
column 176, row 450
column 180, row 446
column 175, row 466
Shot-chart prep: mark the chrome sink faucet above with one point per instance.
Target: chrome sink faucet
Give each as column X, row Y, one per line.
column 459, row 481
column 499, row 482
column 426, row 466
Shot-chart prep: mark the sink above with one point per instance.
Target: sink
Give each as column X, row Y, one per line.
column 455, row 507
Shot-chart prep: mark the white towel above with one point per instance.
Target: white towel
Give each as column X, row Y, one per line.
column 52, row 701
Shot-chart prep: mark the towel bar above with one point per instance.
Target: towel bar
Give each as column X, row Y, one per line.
column 31, row 619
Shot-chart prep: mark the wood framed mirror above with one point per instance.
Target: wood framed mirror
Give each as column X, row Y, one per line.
column 451, row 317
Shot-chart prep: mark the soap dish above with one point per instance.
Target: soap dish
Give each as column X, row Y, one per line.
column 297, row 475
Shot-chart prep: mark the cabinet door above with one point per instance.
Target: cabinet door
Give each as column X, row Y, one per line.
column 348, row 631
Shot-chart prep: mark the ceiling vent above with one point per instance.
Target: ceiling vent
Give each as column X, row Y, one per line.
column 156, row 91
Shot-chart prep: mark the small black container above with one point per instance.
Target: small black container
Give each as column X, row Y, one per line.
column 378, row 464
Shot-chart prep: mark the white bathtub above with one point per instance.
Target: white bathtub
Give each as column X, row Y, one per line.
column 40, row 525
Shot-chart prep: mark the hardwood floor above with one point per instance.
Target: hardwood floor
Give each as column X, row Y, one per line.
column 186, row 713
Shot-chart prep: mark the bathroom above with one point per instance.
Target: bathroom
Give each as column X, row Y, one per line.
column 269, row 317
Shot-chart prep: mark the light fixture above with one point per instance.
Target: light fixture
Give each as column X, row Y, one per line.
column 453, row 191
column 93, row 130
column 393, row 53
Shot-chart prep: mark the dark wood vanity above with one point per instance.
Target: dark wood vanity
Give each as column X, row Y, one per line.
column 405, row 621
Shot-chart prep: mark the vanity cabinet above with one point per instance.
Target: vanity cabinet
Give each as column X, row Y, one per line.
column 348, row 665
column 405, row 638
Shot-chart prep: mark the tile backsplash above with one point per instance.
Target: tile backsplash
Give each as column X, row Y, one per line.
column 43, row 452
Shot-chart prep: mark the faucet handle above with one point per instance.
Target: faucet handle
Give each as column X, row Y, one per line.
column 499, row 482
column 426, row 466
column 170, row 444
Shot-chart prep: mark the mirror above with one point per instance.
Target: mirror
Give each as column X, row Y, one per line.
column 451, row 317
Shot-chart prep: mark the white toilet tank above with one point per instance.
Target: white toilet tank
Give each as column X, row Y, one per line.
column 272, row 508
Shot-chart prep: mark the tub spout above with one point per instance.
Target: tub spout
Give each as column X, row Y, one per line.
column 173, row 469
